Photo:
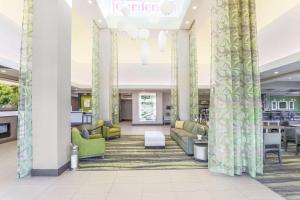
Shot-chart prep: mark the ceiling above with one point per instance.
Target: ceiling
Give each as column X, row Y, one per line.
column 278, row 34
column 143, row 14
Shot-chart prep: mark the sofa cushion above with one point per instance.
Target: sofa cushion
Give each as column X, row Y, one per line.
column 188, row 126
column 179, row 124
column 114, row 130
column 178, row 130
column 108, row 124
column 182, row 133
column 186, row 135
column 85, row 133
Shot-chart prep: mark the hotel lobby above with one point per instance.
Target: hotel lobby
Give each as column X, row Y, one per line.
column 149, row 99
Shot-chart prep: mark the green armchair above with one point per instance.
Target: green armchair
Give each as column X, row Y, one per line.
column 115, row 131
column 93, row 147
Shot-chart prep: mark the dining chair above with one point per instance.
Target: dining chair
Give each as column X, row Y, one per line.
column 292, row 135
column 272, row 144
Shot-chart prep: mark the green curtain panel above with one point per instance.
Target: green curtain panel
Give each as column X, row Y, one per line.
column 24, row 143
column 114, row 79
column 174, row 80
column 235, row 121
column 194, row 98
column 95, row 74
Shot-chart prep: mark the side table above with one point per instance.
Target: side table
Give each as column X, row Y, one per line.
column 201, row 150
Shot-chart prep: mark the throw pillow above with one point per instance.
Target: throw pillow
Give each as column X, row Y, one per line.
column 108, row 124
column 85, row 133
column 179, row 124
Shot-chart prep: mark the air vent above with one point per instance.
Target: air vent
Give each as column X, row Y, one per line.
column 294, row 90
column 269, row 89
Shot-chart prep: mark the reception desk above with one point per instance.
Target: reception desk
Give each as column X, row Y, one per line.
column 8, row 126
column 79, row 117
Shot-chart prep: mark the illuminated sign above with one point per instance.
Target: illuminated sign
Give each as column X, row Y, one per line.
column 136, row 8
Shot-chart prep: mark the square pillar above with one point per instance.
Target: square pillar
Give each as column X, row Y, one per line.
column 183, row 75
column 51, row 87
column 105, row 74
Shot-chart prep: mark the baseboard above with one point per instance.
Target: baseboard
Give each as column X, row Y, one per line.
column 50, row 172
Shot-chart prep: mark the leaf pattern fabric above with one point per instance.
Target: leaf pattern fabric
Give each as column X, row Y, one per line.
column 24, row 134
column 194, row 98
column 174, row 80
column 235, row 121
column 95, row 74
column 114, row 79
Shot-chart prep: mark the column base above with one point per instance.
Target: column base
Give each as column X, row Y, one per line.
column 50, row 172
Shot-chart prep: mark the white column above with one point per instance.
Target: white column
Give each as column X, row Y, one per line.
column 105, row 74
column 183, row 74
column 51, row 86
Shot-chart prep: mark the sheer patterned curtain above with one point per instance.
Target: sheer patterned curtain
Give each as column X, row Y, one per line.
column 24, row 143
column 194, row 98
column 95, row 73
column 114, row 79
column 235, row 121
column 174, row 80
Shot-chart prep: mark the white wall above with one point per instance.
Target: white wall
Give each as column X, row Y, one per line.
column 280, row 38
column 81, row 51
column 131, row 74
column 10, row 32
column 10, row 43
column 135, row 108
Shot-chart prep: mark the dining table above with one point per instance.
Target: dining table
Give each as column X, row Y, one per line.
column 269, row 128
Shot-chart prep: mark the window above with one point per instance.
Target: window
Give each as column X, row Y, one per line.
column 147, row 107
column 291, row 105
column 274, row 105
column 282, row 105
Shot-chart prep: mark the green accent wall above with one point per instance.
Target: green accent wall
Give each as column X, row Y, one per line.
column 84, row 100
column 296, row 100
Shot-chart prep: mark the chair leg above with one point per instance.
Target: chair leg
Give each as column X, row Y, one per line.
column 279, row 157
column 286, row 146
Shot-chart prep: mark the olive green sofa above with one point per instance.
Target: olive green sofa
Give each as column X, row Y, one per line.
column 93, row 147
column 184, row 137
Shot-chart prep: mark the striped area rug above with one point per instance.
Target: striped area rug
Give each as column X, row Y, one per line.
column 283, row 179
column 128, row 153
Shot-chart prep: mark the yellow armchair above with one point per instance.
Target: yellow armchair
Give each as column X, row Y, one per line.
column 115, row 131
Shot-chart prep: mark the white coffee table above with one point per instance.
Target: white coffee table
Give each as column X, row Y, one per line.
column 154, row 139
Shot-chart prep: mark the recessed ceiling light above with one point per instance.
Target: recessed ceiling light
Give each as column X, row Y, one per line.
column 276, row 72
column 3, row 71
column 187, row 22
column 194, row 7
column 90, row 1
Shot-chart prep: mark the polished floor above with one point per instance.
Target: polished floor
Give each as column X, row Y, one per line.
column 123, row 185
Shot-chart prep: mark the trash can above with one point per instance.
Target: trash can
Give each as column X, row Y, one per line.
column 74, row 158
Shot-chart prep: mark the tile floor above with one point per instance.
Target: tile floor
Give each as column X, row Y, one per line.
column 123, row 185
